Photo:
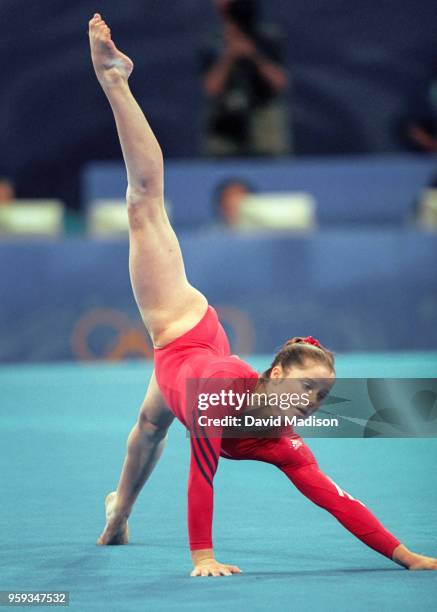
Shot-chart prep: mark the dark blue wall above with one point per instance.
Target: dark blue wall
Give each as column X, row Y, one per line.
column 357, row 69
column 353, row 191
column 355, row 290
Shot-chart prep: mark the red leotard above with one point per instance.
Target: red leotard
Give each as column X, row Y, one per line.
column 203, row 353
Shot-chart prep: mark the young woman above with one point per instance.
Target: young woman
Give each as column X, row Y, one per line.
column 190, row 343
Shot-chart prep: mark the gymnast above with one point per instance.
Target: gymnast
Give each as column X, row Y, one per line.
column 190, row 343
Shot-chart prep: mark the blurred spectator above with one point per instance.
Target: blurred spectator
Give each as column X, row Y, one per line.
column 423, row 134
column 243, row 79
column 228, row 197
column 422, row 131
column 7, row 191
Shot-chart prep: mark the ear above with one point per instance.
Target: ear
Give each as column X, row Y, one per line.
column 276, row 372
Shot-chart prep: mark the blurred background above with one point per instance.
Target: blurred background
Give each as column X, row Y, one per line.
column 301, row 172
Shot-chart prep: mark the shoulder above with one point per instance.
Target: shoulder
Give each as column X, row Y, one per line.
column 231, row 367
column 226, row 374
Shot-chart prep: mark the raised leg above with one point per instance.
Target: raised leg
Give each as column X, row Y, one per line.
column 169, row 305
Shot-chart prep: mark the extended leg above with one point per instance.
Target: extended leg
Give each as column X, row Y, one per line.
column 169, row 305
column 145, row 445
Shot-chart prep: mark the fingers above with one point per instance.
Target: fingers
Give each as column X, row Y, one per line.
column 218, row 569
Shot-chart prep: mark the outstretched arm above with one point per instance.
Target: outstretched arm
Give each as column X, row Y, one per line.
column 354, row 515
column 298, row 463
column 300, row 466
column 205, row 453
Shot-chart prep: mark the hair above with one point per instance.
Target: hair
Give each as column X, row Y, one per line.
column 244, row 13
column 6, row 181
column 297, row 351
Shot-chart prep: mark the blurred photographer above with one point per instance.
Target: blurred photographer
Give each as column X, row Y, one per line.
column 243, row 81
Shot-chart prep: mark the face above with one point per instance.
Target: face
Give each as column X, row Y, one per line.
column 313, row 381
column 230, row 202
column 6, row 192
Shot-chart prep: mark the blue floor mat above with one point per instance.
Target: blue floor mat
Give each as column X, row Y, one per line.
column 62, row 441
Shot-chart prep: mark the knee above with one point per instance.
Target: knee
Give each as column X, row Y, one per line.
column 143, row 207
column 138, row 214
column 152, row 431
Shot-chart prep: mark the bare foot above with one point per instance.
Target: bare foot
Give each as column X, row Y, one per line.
column 413, row 561
column 110, row 64
column 116, row 531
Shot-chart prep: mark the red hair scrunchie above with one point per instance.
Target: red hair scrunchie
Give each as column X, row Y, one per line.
column 313, row 341
column 307, row 340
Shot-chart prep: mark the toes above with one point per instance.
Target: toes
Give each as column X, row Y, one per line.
column 94, row 20
column 103, row 31
column 97, row 24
